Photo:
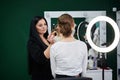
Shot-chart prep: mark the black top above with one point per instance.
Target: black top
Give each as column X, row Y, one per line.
column 39, row 65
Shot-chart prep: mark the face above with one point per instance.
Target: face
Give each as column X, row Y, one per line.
column 41, row 26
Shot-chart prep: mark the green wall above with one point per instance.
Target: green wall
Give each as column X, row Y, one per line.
column 15, row 17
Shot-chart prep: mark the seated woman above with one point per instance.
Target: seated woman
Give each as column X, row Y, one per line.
column 68, row 56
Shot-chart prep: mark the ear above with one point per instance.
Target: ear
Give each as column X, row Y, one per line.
column 73, row 26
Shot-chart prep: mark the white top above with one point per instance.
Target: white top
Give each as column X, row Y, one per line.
column 68, row 58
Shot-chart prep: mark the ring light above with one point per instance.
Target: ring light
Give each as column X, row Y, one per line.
column 81, row 24
column 116, row 31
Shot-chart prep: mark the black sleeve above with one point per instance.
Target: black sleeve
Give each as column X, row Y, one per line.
column 36, row 52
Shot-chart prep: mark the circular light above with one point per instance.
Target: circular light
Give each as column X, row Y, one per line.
column 116, row 31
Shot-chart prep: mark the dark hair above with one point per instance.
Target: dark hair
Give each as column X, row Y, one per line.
column 33, row 30
column 65, row 23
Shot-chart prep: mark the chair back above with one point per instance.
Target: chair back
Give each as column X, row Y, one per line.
column 74, row 78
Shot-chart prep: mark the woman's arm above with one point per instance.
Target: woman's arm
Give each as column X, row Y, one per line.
column 51, row 41
column 52, row 61
column 84, row 66
column 47, row 52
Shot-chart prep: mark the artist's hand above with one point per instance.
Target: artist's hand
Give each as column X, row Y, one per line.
column 51, row 38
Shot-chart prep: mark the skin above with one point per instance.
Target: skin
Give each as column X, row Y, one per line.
column 41, row 27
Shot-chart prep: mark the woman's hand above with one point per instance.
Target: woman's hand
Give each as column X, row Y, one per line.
column 51, row 38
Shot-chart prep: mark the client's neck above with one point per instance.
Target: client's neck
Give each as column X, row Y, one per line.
column 68, row 39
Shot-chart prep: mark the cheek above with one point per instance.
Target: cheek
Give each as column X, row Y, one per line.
column 46, row 27
column 38, row 29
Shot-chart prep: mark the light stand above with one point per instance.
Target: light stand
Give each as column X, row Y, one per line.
column 103, row 65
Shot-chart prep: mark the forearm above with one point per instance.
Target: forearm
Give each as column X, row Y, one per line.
column 47, row 52
column 51, row 41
